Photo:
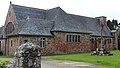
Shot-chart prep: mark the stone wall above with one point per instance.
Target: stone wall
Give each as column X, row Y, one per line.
column 55, row 45
column 58, row 45
column 36, row 40
column 10, row 18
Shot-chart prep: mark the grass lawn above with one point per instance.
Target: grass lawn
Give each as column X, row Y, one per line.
column 2, row 56
column 105, row 61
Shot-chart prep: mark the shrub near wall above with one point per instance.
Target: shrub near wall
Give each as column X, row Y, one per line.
column 3, row 62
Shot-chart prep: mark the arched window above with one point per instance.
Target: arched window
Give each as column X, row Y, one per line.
column 9, row 28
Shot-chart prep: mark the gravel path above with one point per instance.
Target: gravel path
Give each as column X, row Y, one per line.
column 10, row 59
column 48, row 63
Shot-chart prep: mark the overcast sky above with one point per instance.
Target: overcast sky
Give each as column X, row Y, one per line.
column 90, row 8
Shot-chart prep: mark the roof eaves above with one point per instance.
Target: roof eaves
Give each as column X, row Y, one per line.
column 100, row 36
column 28, row 35
column 71, row 32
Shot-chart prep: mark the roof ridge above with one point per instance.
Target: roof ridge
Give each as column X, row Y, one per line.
column 28, row 7
column 58, row 9
column 58, row 13
column 54, row 8
column 82, row 16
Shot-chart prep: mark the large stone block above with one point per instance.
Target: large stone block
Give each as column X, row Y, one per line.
column 27, row 56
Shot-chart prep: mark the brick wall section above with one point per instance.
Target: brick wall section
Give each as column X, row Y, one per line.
column 32, row 39
column 50, row 48
column 11, row 49
column 17, row 41
column 58, row 45
column 55, row 45
column 10, row 18
column 107, row 45
column 3, row 45
column 36, row 40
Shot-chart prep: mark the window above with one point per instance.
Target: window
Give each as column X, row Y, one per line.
column 92, row 40
column 72, row 38
column 78, row 38
column 99, row 39
column 42, row 42
column 109, row 41
column 105, row 41
column 9, row 28
column 11, row 43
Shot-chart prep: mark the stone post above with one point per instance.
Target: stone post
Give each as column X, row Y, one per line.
column 27, row 56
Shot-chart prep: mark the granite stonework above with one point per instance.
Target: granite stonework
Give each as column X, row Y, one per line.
column 27, row 56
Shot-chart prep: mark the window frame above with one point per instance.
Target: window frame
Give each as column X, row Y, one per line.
column 76, row 38
column 43, row 42
column 109, row 40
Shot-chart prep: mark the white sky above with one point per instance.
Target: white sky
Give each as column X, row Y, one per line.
column 90, row 8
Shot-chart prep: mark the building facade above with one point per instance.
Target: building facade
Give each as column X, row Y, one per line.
column 54, row 30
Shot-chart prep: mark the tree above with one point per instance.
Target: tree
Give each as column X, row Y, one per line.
column 109, row 23
column 112, row 24
column 115, row 23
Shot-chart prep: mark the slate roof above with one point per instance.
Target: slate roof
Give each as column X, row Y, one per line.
column 93, row 25
column 34, row 27
column 22, row 12
column 64, row 22
column 43, row 22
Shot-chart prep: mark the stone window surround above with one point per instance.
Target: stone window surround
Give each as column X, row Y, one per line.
column 73, row 38
column 42, row 42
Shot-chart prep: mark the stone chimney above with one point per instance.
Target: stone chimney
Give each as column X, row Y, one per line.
column 102, row 19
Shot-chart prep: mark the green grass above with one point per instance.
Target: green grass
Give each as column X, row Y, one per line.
column 3, row 62
column 2, row 56
column 106, row 61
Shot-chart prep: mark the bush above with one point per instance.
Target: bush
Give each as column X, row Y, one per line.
column 3, row 62
column 1, row 53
